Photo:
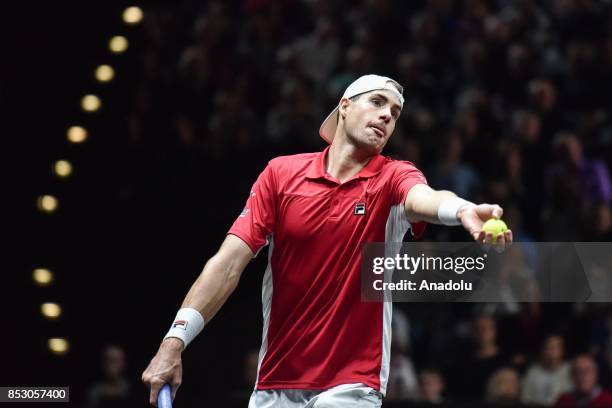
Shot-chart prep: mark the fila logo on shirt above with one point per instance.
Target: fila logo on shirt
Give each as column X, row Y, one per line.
column 360, row 209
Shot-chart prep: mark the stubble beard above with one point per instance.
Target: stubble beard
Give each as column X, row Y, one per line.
column 363, row 144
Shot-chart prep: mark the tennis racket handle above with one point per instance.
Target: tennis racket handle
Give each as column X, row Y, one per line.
column 164, row 398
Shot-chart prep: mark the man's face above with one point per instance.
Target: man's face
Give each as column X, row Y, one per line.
column 484, row 331
column 113, row 362
column 584, row 373
column 553, row 350
column 370, row 120
column 431, row 386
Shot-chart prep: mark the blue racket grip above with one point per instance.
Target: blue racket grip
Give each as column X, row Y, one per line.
column 164, row 398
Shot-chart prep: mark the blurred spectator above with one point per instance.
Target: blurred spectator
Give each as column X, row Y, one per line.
column 450, row 173
column 294, row 119
column 431, row 386
column 586, row 390
column 481, row 361
column 358, row 61
column 598, row 225
column 588, row 180
column 574, row 185
column 514, row 285
column 318, row 52
column 547, row 379
column 543, row 99
column 249, row 376
column 402, row 381
column 503, row 387
column 600, row 339
column 251, row 364
column 113, row 390
column 231, row 122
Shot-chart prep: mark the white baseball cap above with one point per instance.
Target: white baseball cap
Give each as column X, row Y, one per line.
column 363, row 84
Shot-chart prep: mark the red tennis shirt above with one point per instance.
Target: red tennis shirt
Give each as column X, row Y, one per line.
column 317, row 332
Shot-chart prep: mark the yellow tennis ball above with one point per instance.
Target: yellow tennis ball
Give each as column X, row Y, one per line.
column 495, row 227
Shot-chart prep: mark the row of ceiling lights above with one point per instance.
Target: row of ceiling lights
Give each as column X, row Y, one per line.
column 48, row 203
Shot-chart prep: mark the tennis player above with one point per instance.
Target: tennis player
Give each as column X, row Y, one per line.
column 322, row 346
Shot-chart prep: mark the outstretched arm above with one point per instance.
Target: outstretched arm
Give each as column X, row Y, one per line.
column 425, row 204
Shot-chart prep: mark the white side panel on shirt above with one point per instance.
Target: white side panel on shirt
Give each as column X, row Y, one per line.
column 266, row 300
column 396, row 228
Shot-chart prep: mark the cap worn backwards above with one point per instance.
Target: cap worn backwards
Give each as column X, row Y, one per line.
column 363, row 84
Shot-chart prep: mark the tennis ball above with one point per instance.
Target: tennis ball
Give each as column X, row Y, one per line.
column 495, row 227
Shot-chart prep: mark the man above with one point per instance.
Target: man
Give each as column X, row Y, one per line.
column 548, row 378
column 321, row 345
column 483, row 360
column 113, row 389
column 587, row 392
column 431, row 386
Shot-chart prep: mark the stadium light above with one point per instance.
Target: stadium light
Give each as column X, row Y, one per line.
column 105, row 73
column 58, row 345
column 42, row 276
column 62, row 168
column 90, row 103
column 132, row 15
column 47, row 203
column 76, row 134
column 51, row 310
column 118, row 44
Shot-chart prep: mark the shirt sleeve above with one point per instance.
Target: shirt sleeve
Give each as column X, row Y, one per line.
column 256, row 222
column 406, row 177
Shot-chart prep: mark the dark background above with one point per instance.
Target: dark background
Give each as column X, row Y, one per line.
column 172, row 154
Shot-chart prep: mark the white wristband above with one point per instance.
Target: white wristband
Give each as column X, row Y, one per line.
column 447, row 212
column 187, row 324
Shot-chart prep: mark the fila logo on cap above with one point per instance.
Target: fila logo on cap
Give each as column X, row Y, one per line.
column 360, row 209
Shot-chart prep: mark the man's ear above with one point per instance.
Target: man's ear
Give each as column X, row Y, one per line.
column 343, row 107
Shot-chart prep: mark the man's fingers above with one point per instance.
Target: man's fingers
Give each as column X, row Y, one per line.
column 146, row 376
column 497, row 211
column 155, row 387
column 486, row 211
column 487, row 241
column 483, row 238
column 509, row 237
column 175, row 387
column 500, row 243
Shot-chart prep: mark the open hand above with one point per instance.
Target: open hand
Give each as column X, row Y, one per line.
column 473, row 218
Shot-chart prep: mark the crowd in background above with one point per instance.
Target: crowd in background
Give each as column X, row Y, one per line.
column 506, row 101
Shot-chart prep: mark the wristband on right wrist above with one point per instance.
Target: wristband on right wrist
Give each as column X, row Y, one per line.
column 447, row 211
